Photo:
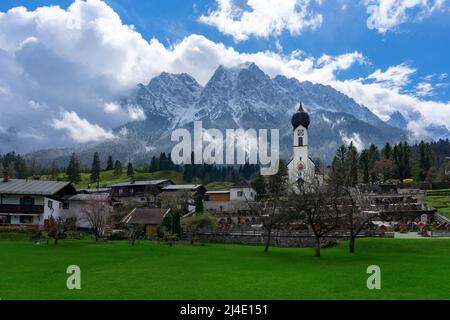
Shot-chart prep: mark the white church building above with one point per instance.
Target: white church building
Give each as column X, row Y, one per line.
column 302, row 168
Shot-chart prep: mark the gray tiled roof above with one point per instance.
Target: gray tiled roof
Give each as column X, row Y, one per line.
column 32, row 187
column 183, row 187
column 148, row 216
column 86, row 197
column 138, row 183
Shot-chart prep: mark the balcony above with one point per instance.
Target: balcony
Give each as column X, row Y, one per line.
column 17, row 208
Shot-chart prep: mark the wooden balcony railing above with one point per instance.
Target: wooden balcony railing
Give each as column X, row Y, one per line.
column 17, row 208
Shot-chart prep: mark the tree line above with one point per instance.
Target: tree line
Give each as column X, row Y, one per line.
column 424, row 161
column 163, row 162
column 399, row 161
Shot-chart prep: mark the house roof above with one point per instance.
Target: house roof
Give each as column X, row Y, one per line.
column 95, row 190
column 218, row 192
column 33, row 187
column 146, row 216
column 86, row 197
column 191, row 187
column 240, row 184
column 139, row 183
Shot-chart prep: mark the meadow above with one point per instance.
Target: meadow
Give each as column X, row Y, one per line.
column 107, row 177
column 410, row 269
column 440, row 200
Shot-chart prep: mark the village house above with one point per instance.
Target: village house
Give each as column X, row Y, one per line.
column 192, row 191
column 32, row 202
column 148, row 217
column 73, row 206
column 143, row 192
column 234, row 200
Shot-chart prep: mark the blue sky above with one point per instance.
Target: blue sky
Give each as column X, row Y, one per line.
column 390, row 55
column 423, row 45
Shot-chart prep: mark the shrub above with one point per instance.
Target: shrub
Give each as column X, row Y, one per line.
column 194, row 224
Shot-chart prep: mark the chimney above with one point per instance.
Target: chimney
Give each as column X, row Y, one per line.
column 5, row 176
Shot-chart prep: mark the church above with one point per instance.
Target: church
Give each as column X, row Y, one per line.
column 301, row 168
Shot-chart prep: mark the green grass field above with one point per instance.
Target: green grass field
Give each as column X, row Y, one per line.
column 440, row 200
column 108, row 177
column 410, row 269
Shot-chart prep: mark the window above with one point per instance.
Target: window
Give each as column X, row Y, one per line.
column 27, row 201
column 240, row 194
column 300, row 141
column 50, row 204
column 65, row 206
column 26, row 219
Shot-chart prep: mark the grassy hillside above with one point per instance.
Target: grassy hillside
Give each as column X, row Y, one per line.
column 218, row 186
column 440, row 200
column 108, row 177
column 410, row 269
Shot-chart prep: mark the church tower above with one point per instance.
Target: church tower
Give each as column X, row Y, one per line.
column 301, row 168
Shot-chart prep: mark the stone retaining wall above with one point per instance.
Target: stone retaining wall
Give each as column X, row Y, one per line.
column 259, row 239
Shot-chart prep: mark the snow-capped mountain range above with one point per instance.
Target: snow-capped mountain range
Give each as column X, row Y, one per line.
column 243, row 97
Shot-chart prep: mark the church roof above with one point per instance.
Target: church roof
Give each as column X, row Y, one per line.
column 301, row 117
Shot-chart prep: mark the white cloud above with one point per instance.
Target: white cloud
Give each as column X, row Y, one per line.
column 136, row 113
column 424, row 89
column 386, row 15
column 81, row 130
column 73, row 63
column 112, row 107
column 262, row 18
column 384, row 101
column 394, row 77
column 353, row 138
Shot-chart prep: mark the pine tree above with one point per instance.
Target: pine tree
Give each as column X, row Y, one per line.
column 386, row 152
column 425, row 159
column 404, row 161
column 73, row 170
column 364, row 165
column 95, row 170
column 110, row 163
column 187, row 174
column 277, row 184
column 338, row 173
column 54, row 171
column 20, row 168
column 259, row 184
column 130, row 170
column 163, row 161
column 198, row 204
column 154, row 165
column 352, row 165
column 118, row 169
column 374, row 156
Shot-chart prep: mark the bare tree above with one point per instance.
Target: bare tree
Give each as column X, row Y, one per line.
column 355, row 211
column 316, row 204
column 274, row 215
column 97, row 213
column 56, row 228
column 175, row 200
column 272, row 207
column 135, row 230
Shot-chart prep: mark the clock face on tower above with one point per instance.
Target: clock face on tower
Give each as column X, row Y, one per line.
column 301, row 132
